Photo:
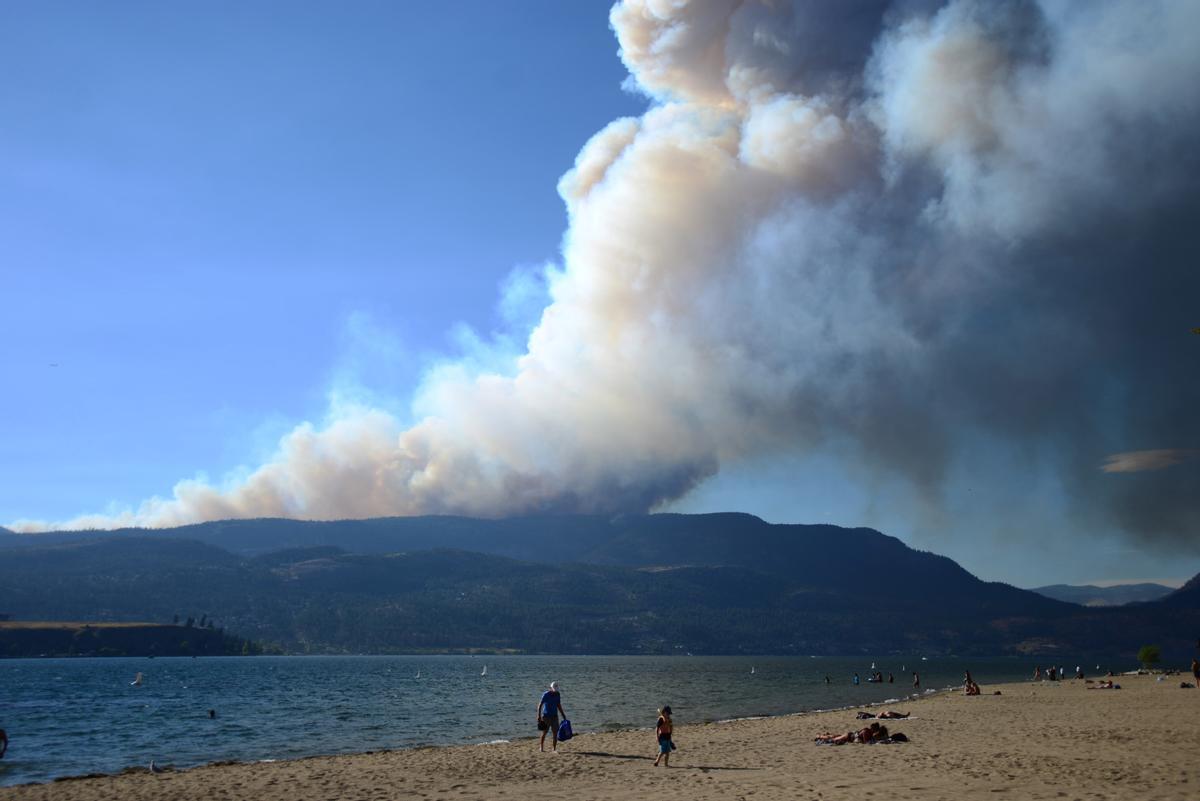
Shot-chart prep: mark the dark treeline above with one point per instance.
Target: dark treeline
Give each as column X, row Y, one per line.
column 114, row 639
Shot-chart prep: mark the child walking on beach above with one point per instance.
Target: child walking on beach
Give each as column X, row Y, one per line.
column 662, row 731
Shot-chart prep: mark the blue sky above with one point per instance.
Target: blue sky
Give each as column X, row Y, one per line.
column 223, row 221
column 209, row 209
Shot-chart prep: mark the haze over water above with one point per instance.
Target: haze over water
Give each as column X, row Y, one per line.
column 75, row 716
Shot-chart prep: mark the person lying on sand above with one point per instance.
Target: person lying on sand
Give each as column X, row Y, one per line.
column 886, row 714
column 829, row 738
column 875, row 733
column 1105, row 685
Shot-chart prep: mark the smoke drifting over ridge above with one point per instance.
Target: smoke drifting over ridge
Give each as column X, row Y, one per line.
column 898, row 225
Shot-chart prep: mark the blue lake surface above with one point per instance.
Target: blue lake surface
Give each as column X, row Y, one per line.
column 75, row 716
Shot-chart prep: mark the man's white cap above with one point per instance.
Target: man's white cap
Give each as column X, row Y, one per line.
column 554, row 685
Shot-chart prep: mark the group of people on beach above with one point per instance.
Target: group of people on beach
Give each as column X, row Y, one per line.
column 1056, row 673
column 550, row 708
column 550, row 717
column 875, row 733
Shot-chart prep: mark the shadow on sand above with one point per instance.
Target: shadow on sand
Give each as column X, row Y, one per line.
column 651, row 759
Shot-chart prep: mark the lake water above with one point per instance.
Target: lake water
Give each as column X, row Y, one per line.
column 75, row 716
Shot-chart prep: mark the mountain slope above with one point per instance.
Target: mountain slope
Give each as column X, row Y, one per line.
column 1186, row 597
column 660, row 583
column 818, row 555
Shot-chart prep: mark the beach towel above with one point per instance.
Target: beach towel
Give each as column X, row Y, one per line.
column 564, row 730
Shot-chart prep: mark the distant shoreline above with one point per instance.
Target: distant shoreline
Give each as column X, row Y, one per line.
column 36, row 639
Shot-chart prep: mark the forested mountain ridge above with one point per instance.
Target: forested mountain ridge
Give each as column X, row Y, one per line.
column 633, row 584
column 820, row 554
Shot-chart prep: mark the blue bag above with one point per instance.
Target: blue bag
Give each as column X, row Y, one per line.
column 564, row 730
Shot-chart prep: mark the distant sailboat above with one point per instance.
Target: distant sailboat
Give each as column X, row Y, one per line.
column 484, row 673
column 752, row 671
column 872, row 666
column 418, row 675
column 137, row 680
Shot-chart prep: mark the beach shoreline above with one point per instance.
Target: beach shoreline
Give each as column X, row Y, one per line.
column 170, row 768
column 1052, row 740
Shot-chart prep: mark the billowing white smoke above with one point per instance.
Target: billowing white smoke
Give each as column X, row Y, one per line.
column 884, row 224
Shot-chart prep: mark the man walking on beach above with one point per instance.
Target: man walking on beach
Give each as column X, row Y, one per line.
column 549, row 708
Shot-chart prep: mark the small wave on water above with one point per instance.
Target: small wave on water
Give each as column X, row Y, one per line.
column 608, row 726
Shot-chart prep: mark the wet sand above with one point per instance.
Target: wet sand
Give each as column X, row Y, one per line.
column 1034, row 741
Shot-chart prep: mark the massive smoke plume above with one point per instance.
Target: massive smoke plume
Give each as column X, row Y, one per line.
column 900, row 228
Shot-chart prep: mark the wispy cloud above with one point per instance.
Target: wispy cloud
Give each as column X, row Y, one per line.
column 1141, row 461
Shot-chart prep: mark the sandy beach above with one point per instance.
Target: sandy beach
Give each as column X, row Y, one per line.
column 1044, row 740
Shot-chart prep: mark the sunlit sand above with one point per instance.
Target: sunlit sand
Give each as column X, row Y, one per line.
column 1045, row 740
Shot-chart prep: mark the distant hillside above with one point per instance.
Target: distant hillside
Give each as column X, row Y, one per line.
column 1091, row 595
column 633, row 584
column 823, row 555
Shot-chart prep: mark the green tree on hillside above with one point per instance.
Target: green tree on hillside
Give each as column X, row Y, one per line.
column 1149, row 655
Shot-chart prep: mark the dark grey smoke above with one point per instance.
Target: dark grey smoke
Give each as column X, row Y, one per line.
column 915, row 232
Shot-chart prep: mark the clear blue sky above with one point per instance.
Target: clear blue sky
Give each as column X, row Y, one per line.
column 217, row 216
column 201, row 204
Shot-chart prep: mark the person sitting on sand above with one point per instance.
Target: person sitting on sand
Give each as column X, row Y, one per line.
column 662, row 732
column 3, row 742
column 549, row 708
column 873, row 733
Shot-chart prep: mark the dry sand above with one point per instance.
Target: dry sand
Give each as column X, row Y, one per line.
column 1049, row 740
